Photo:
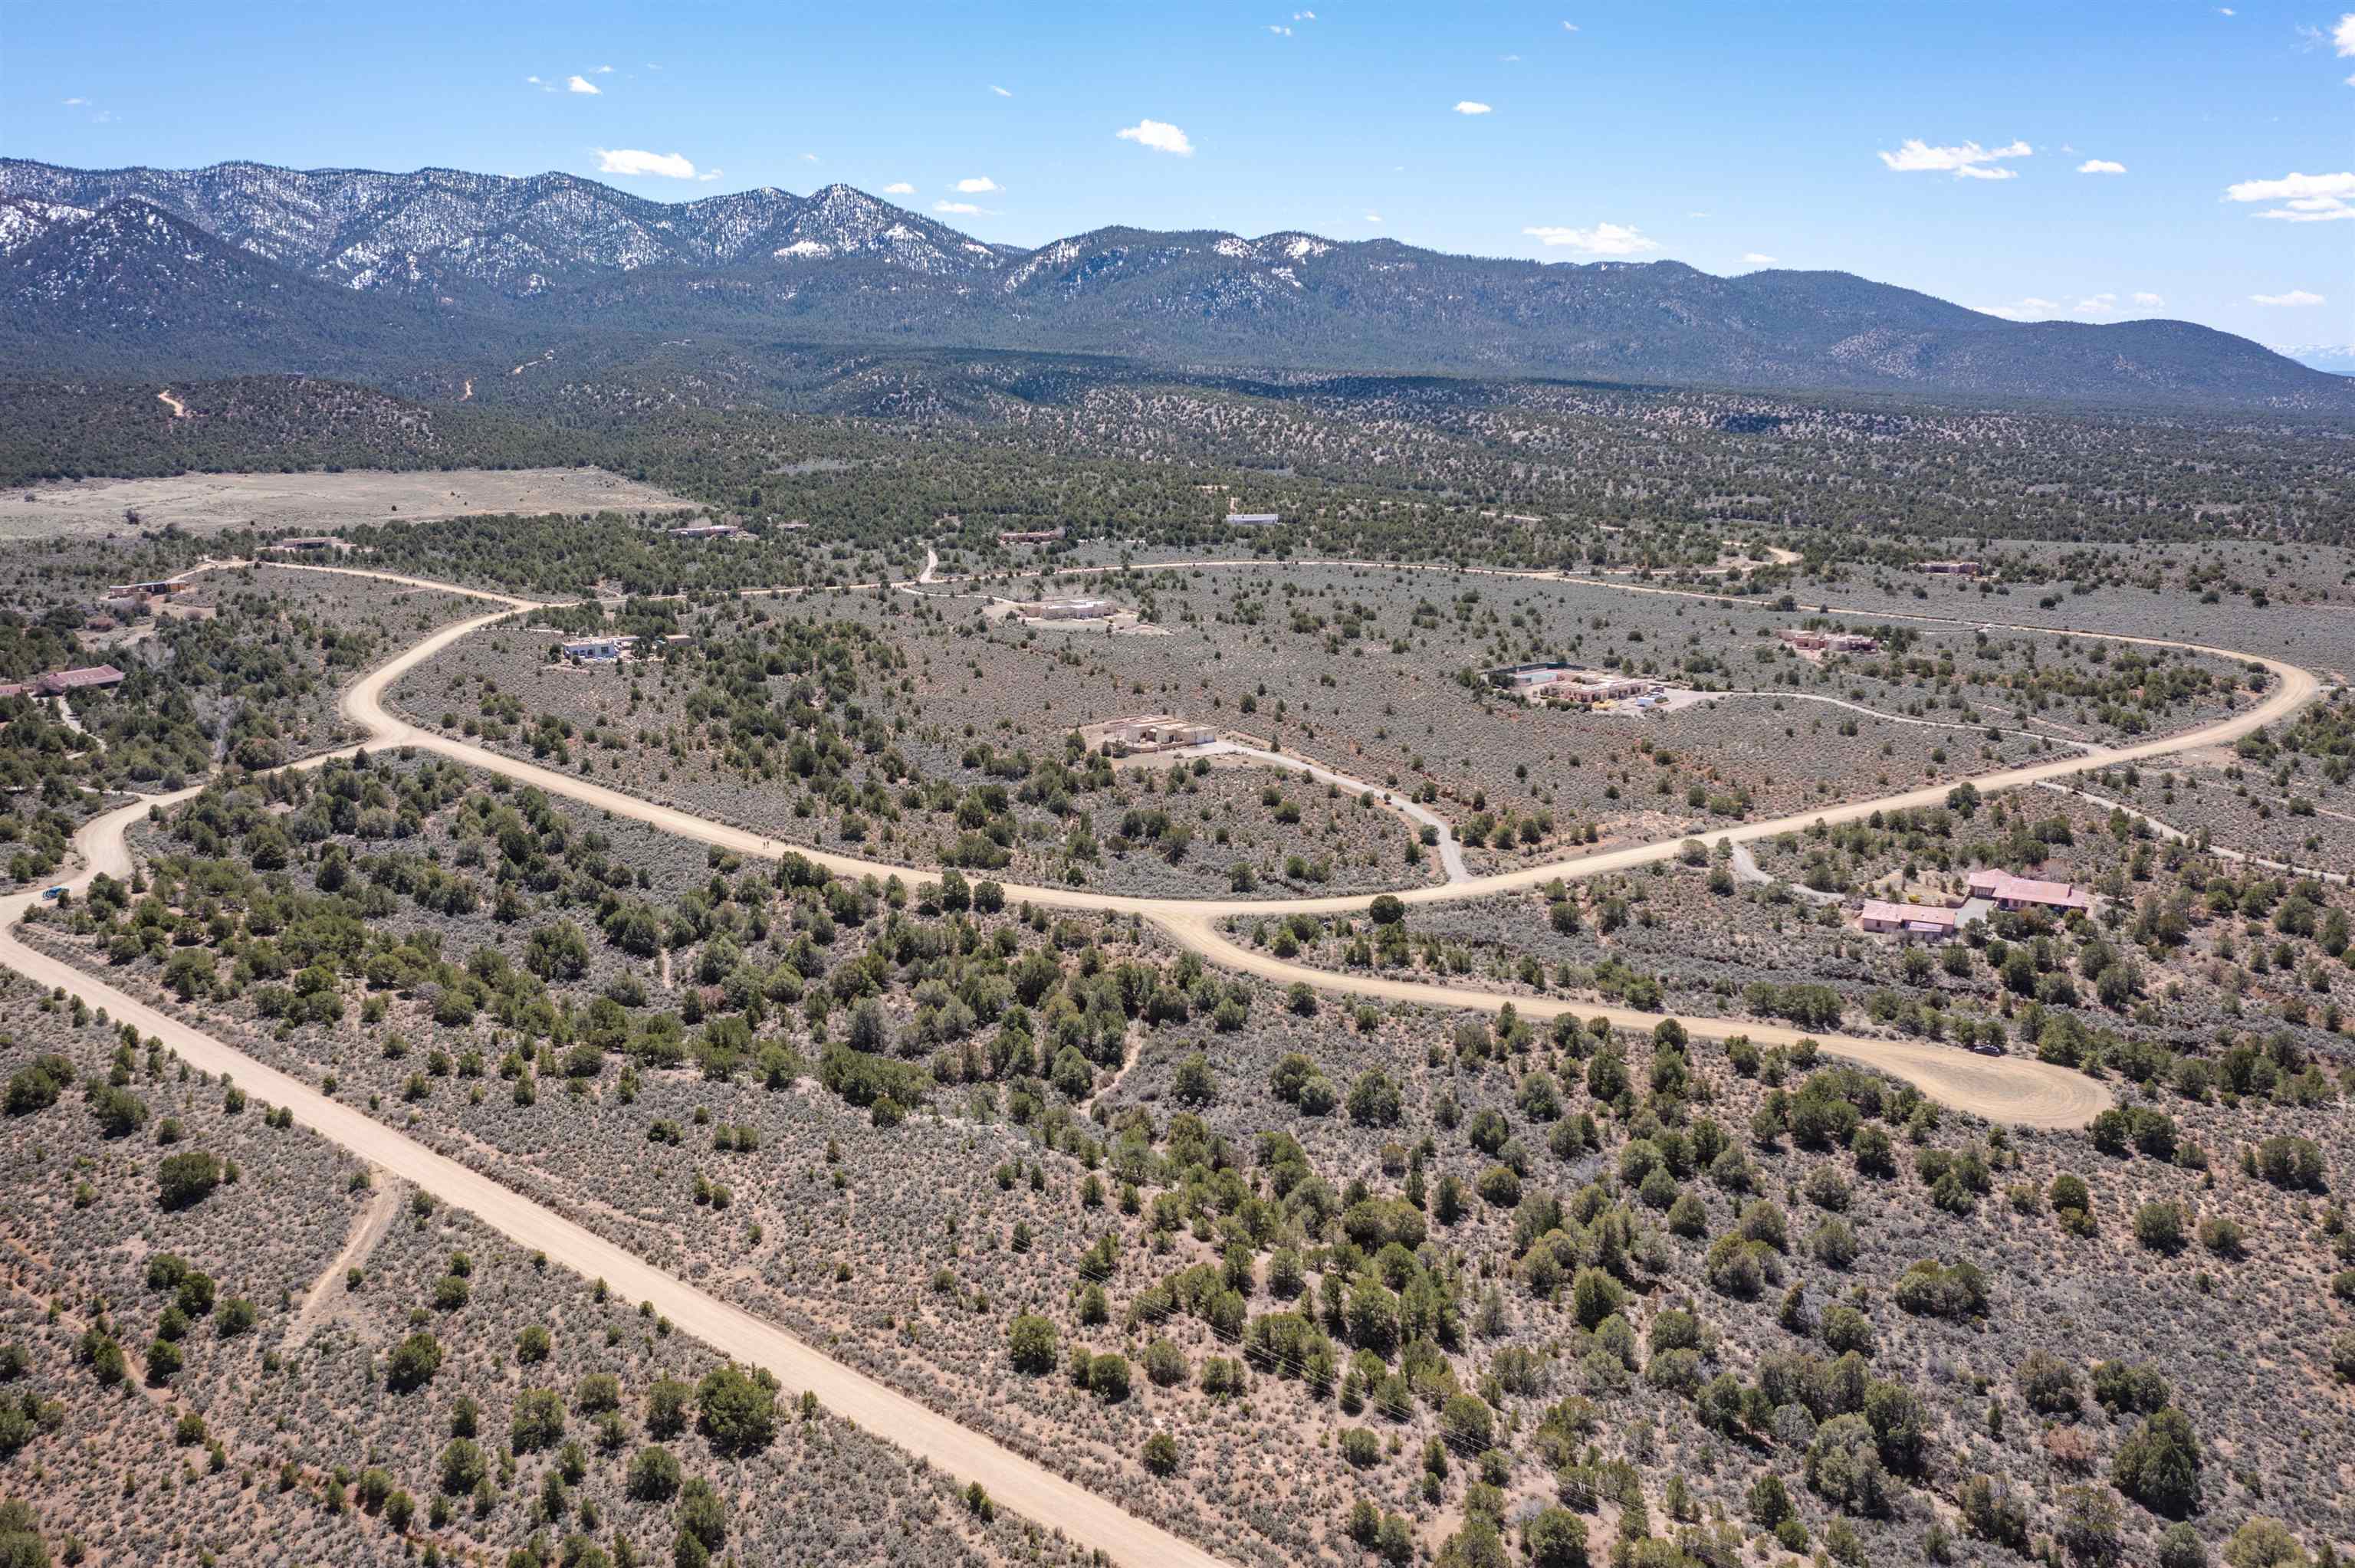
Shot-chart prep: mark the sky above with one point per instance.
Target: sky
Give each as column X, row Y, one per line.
column 2096, row 161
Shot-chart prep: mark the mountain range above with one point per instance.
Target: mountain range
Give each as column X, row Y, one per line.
column 245, row 268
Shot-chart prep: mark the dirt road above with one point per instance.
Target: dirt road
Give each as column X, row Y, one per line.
column 363, row 704
column 2006, row 1089
column 1015, row 1482
column 1968, row 1080
column 2016, row 1091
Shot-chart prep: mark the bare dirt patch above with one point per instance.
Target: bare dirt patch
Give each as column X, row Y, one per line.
column 209, row 502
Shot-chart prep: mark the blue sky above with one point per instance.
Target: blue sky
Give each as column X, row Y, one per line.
column 1934, row 145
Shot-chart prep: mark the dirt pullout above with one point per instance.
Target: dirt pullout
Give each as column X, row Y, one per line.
column 209, row 502
column 368, row 1229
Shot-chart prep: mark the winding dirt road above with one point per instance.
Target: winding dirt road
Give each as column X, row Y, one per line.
column 2006, row 1089
column 363, row 706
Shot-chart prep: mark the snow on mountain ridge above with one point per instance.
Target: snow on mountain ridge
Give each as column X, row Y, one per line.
column 452, row 231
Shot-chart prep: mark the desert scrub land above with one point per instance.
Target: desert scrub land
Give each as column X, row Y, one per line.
column 701, row 1154
column 803, row 720
column 1050, row 1175
column 2281, row 794
column 2184, row 949
column 1300, row 657
column 295, row 1366
column 935, row 699
column 252, row 688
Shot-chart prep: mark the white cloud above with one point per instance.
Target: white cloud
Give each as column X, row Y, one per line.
column 602, row 70
column 2295, row 297
column 2150, row 301
column 2035, row 308
column 1159, row 135
column 1304, row 16
column 2342, row 36
column 1603, row 239
column 1757, row 259
column 707, row 176
column 2226, row 11
column 76, row 103
column 899, row 187
column 1969, row 161
column 622, row 161
column 999, row 90
column 809, row 157
column 2100, row 166
column 2304, row 198
column 582, row 84
column 1279, row 29
column 1569, row 26
column 1373, row 218
column 979, row 185
column 963, row 208
column 1469, row 107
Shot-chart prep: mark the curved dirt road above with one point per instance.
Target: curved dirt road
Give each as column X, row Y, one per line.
column 363, row 706
column 2001, row 1088
column 2018, row 1091
column 2004, row 1089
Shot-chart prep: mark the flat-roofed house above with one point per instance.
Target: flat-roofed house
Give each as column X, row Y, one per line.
column 1911, row 922
column 2009, row 892
column 1077, row 609
column 1808, row 640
